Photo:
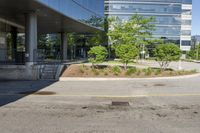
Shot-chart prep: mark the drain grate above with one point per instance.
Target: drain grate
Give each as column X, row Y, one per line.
column 120, row 103
column 38, row 93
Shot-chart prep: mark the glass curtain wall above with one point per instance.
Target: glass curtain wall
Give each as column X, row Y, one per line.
column 168, row 15
column 11, row 53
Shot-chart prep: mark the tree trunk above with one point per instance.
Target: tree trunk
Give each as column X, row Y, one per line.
column 125, row 65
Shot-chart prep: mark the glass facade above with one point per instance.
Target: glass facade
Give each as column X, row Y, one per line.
column 82, row 10
column 172, row 17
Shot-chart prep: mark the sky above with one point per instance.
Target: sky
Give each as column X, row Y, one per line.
column 196, row 17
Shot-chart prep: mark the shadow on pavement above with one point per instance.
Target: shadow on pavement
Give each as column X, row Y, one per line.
column 11, row 91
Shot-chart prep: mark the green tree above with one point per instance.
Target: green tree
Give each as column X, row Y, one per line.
column 191, row 54
column 194, row 53
column 165, row 53
column 126, row 52
column 71, row 40
column 97, row 38
column 97, row 54
column 135, row 31
column 42, row 40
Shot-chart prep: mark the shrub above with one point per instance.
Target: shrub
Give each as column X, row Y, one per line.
column 97, row 54
column 116, row 70
column 144, row 70
column 148, row 71
column 105, row 73
column 157, row 71
column 95, row 71
column 182, row 72
column 165, row 53
column 138, row 72
column 82, row 68
column 126, row 52
column 131, row 71
column 193, row 71
column 194, row 53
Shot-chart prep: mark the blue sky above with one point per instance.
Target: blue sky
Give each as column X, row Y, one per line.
column 196, row 17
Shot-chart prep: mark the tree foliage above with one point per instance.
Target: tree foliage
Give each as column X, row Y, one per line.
column 134, row 31
column 97, row 54
column 194, row 53
column 126, row 52
column 165, row 53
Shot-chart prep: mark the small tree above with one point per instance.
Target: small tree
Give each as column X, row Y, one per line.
column 194, row 53
column 126, row 52
column 133, row 31
column 97, row 54
column 165, row 53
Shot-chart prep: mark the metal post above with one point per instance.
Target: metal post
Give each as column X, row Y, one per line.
column 180, row 65
column 197, row 52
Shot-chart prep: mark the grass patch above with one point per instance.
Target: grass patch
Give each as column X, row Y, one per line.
column 157, row 71
column 95, row 71
column 116, row 70
column 131, row 71
column 82, row 68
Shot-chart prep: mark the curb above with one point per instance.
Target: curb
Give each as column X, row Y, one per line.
column 124, row 79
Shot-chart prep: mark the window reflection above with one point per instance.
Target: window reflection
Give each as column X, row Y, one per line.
column 82, row 10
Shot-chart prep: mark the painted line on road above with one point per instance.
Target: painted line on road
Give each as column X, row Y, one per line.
column 110, row 96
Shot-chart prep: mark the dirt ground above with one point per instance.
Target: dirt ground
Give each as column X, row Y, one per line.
column 80, row 70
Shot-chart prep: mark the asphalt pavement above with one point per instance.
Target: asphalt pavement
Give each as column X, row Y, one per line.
column 155, row 106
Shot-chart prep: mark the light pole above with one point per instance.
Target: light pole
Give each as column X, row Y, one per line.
column 143, row 52
column 197, row 51
column 180, row 65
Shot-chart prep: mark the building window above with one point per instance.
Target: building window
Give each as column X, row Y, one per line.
column 186, row 43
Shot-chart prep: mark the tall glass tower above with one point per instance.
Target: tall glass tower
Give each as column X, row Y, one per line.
column 173, row 17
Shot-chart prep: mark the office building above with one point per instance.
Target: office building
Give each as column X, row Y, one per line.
column 172, row 17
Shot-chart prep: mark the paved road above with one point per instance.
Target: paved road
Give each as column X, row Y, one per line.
column 156, row 106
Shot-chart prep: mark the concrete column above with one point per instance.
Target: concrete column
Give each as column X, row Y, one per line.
column 30, row 38
column 14, row 42
column 64, row 46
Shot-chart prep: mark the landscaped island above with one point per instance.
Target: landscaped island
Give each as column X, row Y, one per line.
column 82, row 70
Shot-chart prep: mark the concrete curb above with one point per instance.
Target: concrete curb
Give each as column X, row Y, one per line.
column 124, row 79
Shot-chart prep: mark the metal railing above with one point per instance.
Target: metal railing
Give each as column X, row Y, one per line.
column 11, row 57
column 43, row 56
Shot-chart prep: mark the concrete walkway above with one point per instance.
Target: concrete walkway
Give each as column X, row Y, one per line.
column 150, row 63
column 175, row 65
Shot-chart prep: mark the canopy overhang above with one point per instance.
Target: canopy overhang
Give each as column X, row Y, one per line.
column 49, row 20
